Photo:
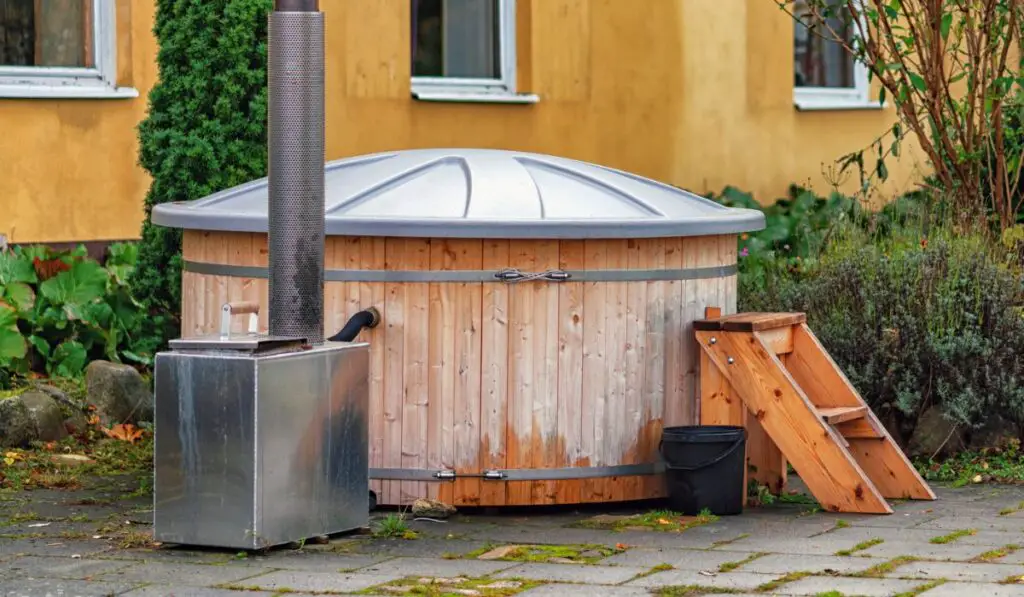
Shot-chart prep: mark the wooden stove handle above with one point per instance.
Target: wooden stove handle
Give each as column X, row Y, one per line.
column 242, row 307
column 239, row 308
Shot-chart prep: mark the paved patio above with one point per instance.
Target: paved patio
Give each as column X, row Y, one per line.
column 92, row 542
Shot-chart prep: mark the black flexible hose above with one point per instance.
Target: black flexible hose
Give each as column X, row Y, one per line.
column 367, row 318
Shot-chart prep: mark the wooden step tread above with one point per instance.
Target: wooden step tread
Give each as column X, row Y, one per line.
column 750, row 322
column 842, row 414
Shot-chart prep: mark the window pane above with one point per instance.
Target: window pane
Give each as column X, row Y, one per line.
column 456, row 38
column 818, row 60
column 46, row 33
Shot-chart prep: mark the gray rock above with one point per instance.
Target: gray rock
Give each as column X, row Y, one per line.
column 118, row 392
column 28, row 417
column 935, row 435
column 46, row 416
column 995, row 433
column 16, row 428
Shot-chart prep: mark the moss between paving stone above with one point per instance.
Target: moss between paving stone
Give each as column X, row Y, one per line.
column 454, row 587
column 951, row 537
column 729, row 566
column 879, row 570
column 693, row 591
column 785, row 579
column 860, row 547
column 995, row 554
column 655, row 520
column 928, row 586
column 580, row 554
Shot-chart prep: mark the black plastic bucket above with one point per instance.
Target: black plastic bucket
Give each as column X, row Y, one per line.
column 704, row 468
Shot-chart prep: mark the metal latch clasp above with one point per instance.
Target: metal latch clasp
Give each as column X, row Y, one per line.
column 445, row 475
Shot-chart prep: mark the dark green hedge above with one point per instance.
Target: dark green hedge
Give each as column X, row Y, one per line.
column 206, row 126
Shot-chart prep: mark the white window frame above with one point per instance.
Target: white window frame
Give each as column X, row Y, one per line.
column 481, row 90
column 839, row 98
column 60, row 82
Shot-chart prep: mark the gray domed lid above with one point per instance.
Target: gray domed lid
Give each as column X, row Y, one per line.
column 477, row 193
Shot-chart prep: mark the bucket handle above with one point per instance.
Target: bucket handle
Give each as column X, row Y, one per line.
column 711, row 462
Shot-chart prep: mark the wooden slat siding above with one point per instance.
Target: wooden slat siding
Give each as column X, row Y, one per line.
column 388, row 368
column 729, row 256
column 415, row 418
column 615, row 368
column 239, row 251
column 544, row 438
column 572, row 319
column 675, row 296
column 468, row 353
column 523, row 367
column 653, row 397
column 373, row 295
column 494, row 372
column 250, row 286
column 441, row 374
column 593, row 419
column 826, row 385
column 261, row 251
column 217, row 251
column 634, row 428
column 831, row 473
column 394, row 371
column 191, row 300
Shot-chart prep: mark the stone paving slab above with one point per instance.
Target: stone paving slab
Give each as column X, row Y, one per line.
column 289, row 581
column 184, row 574
column 562, row 590
column 864, row 587
column 434, row 567
column 172, row 591
column 926, row 551
column 957, row 571
column 573, row 573
column 684, row 559
column 959, row 589
column 743, row 581
column 52, row 546
column 782, row 564
column 65, row 588
column 67, row 568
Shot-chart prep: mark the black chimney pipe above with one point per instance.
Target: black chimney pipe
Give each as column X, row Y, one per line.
column 295, row 73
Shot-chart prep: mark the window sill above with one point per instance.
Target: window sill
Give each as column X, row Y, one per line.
column 22, row 91
column 476, row 98
column 821, row 105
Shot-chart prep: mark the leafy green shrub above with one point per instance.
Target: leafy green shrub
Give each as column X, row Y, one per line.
column 206, row 125
column 915, row 322
column 60, row 310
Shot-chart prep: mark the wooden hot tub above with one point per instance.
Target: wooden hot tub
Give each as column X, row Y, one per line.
column 536, row 314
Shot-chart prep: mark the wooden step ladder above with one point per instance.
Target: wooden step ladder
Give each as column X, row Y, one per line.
column 768, row 372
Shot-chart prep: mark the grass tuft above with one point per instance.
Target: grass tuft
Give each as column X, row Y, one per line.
column 730, row 566
column 860, row 547
column 884, row 568
column 778, row 582
column 951, row 537
column 995, row 554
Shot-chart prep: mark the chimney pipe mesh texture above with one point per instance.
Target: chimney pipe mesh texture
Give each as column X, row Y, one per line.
column 296, row 174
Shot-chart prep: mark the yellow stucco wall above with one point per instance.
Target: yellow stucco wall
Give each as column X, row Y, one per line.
column 696, row 93
column 69, row 168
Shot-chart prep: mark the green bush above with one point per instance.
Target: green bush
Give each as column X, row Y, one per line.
column 206, row 126
column 58, row 311
column 914, row 322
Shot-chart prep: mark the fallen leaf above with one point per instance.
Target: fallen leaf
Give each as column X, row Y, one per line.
column 663, row 521
column 707, row 573
column 37, row 525
column 621, row 546
column 124, row 432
